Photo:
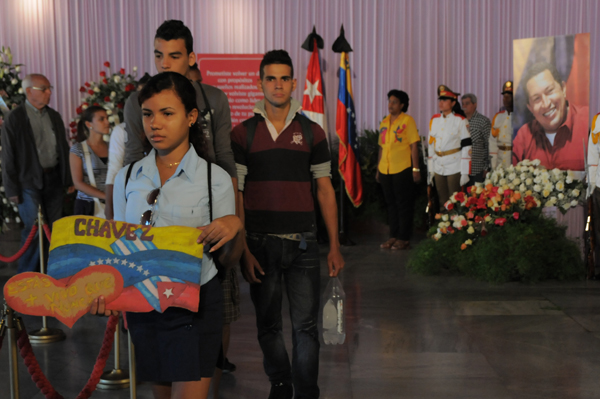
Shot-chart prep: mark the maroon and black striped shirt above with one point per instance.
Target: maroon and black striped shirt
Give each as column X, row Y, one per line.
column 277, row 185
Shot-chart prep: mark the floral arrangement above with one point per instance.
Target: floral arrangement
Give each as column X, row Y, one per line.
column 110, row 92
column 12, row 94
column 10, row 82
column 503, row 198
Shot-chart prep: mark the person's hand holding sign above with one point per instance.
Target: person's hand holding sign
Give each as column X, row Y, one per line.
column 224, row 233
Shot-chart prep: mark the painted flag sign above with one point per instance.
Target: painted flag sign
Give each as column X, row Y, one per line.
column 157, row 267
column 345, row 127
column 313, row 103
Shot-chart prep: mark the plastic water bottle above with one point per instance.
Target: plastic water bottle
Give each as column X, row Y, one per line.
column 334, row 329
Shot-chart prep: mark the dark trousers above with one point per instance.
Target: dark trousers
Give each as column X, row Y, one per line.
column 398, row 190
column 50, row 197
column 283, row 259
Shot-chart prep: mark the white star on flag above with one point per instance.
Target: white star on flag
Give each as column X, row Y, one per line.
column 168, row 292
column 312, row 90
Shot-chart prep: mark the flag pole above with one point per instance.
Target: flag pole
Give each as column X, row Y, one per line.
column 342, row 46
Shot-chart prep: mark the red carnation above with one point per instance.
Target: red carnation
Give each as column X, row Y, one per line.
column 78, row 110
column 129, row 87
column 122, row 71
column 106, row 99
column 483, row 232
column 105, row 81
column 107, row 64
column 102, row 73
column 86, row 104
column 120, row 105
column 460, row 196
column 96, row 104
column 507, row 201
column 500, row 221
column 87, row 84
column 449, row 205
column 82, row 89
column 516, row 215
column 91, row 92
column 73, row 124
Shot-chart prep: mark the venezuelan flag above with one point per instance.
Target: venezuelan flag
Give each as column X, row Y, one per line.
column 345, row 127
column 160, row 266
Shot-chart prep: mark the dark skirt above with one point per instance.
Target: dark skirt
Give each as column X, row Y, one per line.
column 83, row 207
column 179, row 345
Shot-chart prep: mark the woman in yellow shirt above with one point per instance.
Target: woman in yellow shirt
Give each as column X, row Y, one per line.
column 398, row 169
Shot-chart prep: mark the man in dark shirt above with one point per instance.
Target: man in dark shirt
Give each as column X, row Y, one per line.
column 479, row 127
column 35, row 161
column 275, row 171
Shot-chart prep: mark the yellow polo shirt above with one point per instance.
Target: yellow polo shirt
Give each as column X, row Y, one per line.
column 395, row 143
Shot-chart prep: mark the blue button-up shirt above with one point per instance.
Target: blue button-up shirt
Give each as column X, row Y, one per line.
column 183, row 199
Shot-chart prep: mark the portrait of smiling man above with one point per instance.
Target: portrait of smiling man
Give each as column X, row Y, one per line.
column 557, row 134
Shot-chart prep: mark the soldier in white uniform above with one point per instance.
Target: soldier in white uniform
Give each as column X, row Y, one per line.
column 449, row 159
column 501, row 135
column 594, row 183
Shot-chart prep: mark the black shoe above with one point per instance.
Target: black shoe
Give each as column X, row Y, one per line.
column 228, row 367
column 281, row 390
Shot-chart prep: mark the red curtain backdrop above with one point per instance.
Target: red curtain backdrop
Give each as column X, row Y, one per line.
column 413, row 45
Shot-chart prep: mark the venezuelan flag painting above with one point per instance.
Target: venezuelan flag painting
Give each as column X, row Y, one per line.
column 136, row 268
column 160, row 266
column 345, row 127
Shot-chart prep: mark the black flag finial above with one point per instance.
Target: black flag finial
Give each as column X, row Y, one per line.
column 341, row 45
column 309, row 43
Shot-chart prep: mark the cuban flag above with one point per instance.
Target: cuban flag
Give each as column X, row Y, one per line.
column 345, row 128
column 313, row 102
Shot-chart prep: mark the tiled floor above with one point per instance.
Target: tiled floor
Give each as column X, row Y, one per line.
column 408, row 336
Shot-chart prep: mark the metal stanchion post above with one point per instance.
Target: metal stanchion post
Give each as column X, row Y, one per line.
column 44, row 335
column 132, row 378
column 13, row 366
column 116, row 378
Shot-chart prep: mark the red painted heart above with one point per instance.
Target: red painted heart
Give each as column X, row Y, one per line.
column 37, row 294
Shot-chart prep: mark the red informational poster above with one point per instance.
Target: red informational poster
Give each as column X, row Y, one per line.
column 236, row 75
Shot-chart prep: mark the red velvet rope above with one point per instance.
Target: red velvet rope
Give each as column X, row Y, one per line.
column 109, row 337
column 47, row 231
column 42, row 382
column 16, row 256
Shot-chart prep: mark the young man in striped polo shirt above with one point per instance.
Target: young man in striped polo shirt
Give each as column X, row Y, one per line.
column 277, row 160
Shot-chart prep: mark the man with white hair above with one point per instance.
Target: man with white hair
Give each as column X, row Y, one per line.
column 479, row 127
column 35, row 161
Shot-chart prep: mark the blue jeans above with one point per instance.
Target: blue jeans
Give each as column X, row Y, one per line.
column 299, row 268
column 51, row 198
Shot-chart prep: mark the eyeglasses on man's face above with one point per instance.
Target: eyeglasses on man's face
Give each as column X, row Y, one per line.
column 43, row 88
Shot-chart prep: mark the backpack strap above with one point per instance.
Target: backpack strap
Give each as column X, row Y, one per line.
column 250, row 125
column 209, row 180
column 212, row 116
column 129, row 169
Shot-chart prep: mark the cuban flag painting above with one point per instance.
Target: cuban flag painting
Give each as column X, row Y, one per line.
column 160, row 266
